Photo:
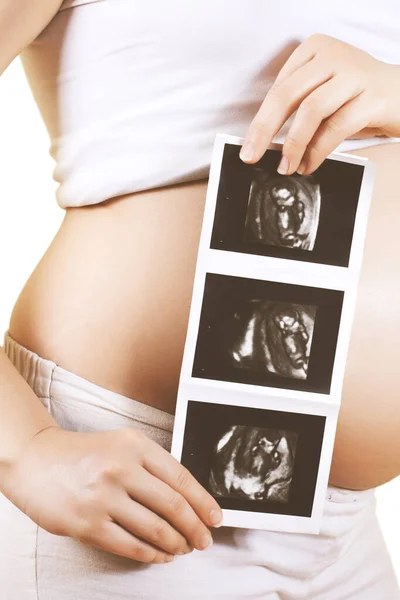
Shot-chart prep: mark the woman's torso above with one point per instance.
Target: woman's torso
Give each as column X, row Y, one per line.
column 110, row 299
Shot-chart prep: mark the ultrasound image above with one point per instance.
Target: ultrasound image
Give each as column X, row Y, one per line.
column 275, row 336
column 283, row 211
column 254, row 463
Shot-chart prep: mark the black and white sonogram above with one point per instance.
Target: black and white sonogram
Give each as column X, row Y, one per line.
column 254, row 459
column 283, row 211
column 275, row 336
column 253, row 463
column 267, row 333
column 308, row 218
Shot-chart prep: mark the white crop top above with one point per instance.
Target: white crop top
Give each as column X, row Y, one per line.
column 134, row 92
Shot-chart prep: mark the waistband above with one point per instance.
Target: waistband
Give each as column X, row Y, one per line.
column 43, row 375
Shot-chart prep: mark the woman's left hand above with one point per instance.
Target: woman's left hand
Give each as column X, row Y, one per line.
column 339, row 92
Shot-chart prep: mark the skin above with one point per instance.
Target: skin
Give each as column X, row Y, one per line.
column 21, row 21
column 110, row 300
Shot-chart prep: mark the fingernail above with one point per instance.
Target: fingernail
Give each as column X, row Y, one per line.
column 283, row 166
column 216, row 517
column 169, row 558
column 247, row 152
column 301, row 168
column 206, row 541
column 185, row 550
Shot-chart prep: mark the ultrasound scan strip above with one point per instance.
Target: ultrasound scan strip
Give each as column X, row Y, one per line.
column 272, row 309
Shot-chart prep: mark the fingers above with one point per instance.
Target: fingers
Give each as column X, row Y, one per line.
column 280, row 102
column 319, row 105
column 177, row 477
column 171, row 505
column 303, row 54
column 149, row 527
column 351, row 117
column 111, row 537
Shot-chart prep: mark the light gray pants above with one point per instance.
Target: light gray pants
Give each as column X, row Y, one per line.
column 347, row 561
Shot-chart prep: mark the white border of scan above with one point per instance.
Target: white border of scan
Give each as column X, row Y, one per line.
column 259, row 520
column 285, row 271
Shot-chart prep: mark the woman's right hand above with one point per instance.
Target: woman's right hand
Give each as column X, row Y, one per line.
column 117, row 490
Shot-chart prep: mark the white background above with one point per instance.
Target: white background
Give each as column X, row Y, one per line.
column 30, row 217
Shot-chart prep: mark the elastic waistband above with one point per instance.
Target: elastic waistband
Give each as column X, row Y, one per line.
column 45, row 378
column 37, row 371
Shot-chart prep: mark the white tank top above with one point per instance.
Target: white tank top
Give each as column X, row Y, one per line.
column 134, row 92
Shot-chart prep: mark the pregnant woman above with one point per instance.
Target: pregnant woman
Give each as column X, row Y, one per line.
column 93, row 506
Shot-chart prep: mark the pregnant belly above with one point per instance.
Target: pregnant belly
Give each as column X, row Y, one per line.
column 110, row 299
column 110, row 302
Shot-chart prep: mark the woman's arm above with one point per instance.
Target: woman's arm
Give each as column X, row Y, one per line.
column 117, row 490
column 22, row 416
column 21, row 21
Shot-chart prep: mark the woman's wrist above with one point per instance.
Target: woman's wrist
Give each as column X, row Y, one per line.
column 22, row 416
column 391, row 126
column 8, row 462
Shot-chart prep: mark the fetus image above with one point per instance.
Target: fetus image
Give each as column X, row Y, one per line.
column 283, row 211
column 273, row 336
column 254, row 463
